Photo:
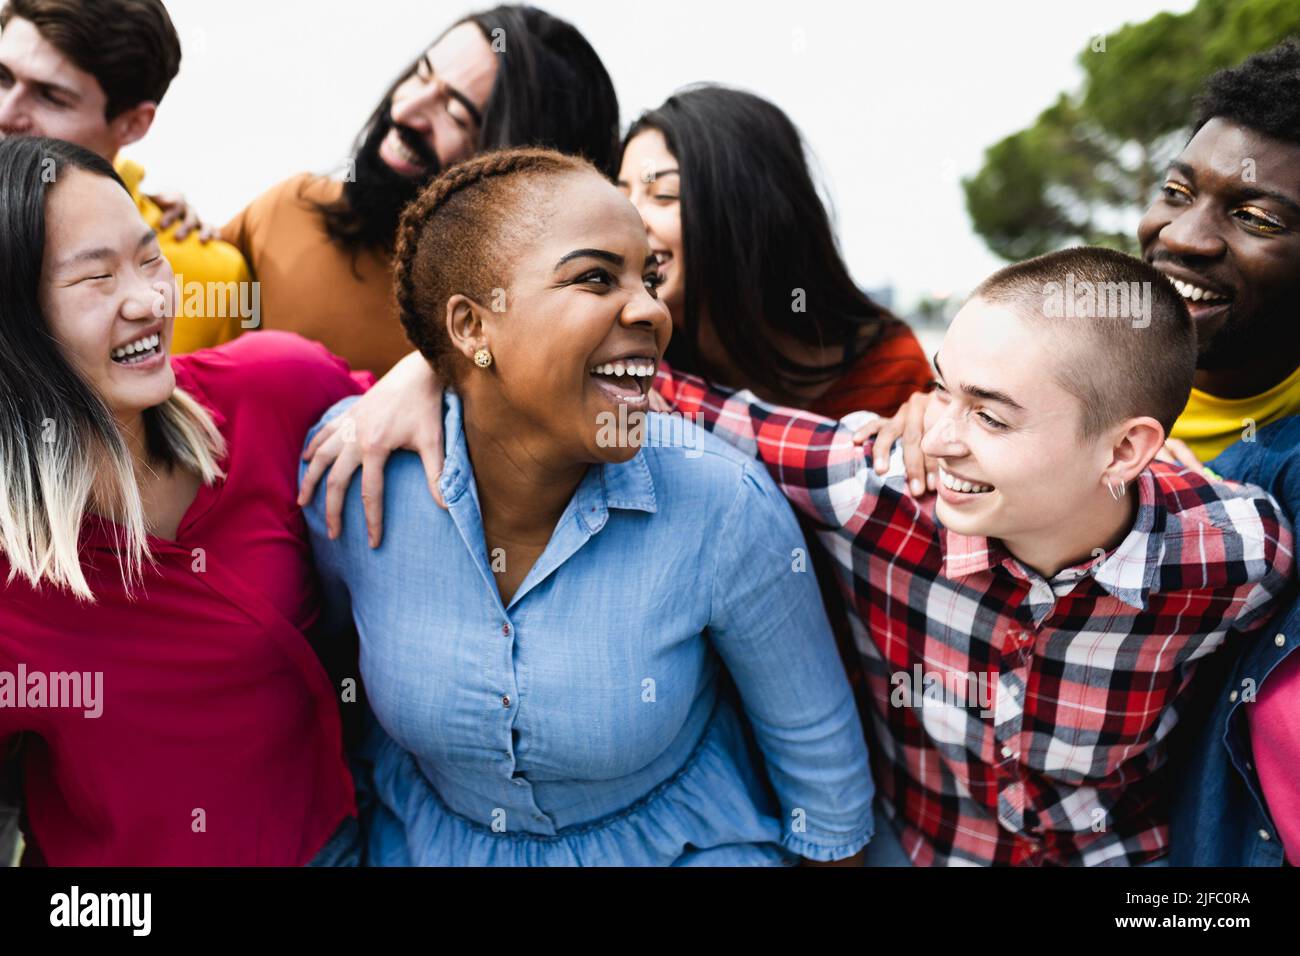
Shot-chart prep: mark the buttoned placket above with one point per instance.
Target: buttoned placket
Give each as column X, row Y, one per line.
column 1037, row 600
column 586, row 515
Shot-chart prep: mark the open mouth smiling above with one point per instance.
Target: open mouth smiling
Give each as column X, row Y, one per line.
column 625, row 380
column 138, row 351
column 961, row 486
column 1200, row 297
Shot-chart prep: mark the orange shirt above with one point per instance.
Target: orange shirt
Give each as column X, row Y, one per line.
column 881, row 380
column 313, row 286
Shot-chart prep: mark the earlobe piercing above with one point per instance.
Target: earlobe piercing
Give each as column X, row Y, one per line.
column 483, row 358
column 1114, row 493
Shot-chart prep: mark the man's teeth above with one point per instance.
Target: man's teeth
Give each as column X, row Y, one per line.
column 966, row 487
column 1195, row 293
column 146, row 344
column 405, row 153
column 633, row 368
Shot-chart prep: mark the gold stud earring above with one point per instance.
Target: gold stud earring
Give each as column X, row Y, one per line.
column 483, row 358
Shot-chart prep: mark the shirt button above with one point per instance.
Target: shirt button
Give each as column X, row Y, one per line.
column 505, row 629
column 1233, row 696
column 1263, row 835
column 505, row 701
column 1280, row 640
column 539, row 818
column 1007, row 751
column 1013, row 690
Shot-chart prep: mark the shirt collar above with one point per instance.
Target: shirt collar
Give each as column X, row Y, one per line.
column 1125, row 573
column 625, row 486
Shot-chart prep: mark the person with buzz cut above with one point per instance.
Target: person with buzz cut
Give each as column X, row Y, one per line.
column 1225, row 230
column 1087, row 579
column 93, row 73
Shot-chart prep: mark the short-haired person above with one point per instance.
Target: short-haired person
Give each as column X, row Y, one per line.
column 1238, row 803
column 1225, row 230
column 1029, row 634
column 1056, row 555
column 1085, row 580
column 558, row 692
column 93, row 72
column 322, row 248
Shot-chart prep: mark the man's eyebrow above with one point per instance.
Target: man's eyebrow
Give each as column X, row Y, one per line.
column 104, row 252
column 465, row 101
column 1251, row 192
column 986, row 394
column 63, row 91
column 458, row 96
column 612, row 258
column 44, row 86
column 1245, row 193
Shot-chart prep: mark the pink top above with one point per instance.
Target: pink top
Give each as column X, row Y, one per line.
column 218, row 740
column 1275, row 740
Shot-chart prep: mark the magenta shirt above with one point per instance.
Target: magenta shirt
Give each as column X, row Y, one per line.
column 1275, row 741
column 218, row 741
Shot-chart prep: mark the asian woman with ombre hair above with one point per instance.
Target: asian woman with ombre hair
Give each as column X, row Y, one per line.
column 158, row 591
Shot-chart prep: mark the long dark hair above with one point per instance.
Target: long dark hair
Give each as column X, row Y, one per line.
column 551, row 91
column 57, row 437
column 754, row 232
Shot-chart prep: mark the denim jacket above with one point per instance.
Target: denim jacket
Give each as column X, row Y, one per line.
column 1219, row 814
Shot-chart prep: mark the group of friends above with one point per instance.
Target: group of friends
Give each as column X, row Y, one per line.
column 669, row 545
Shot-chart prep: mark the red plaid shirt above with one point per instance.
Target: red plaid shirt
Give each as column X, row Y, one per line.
column 1018, row 720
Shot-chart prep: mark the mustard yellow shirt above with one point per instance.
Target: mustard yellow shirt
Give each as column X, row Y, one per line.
column 1210, row 424
column 217, row 300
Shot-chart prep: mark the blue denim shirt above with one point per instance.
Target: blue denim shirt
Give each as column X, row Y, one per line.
column 590, row 720
column 1219, row 814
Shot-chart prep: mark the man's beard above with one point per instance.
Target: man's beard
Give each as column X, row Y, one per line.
column 1240, row 341
column 376, row 194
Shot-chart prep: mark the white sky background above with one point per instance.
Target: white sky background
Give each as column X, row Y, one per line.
column 898, row 100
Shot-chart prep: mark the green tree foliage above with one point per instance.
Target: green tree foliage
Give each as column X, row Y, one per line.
column 1093, row 160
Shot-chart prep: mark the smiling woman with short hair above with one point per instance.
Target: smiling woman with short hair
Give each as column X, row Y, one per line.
column 548, row 659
